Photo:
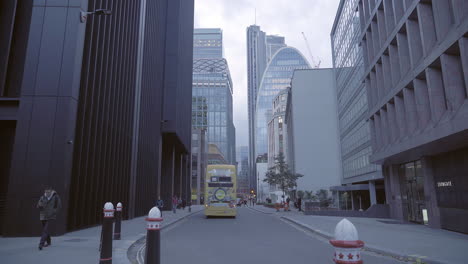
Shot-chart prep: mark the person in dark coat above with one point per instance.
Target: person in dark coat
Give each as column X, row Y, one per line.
column 299, row 204
column 160, row 204
column 49, row 204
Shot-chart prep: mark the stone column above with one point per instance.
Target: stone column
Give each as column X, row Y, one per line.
column 396, row 206
column 463, row 42
column 384, row 132
column 423, row 107
column 410, row 110
column 436, row 93
column 400, row 116
column 372, row 193
column 392, row 121
column 430, row 194
column 378, row 134
column 452, row 74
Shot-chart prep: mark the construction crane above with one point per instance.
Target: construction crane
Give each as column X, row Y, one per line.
column 316, row 65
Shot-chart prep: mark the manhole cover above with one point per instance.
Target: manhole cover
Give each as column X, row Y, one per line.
column 75, row 240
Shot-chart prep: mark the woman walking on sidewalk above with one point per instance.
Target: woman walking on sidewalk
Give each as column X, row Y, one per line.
column 48, row 204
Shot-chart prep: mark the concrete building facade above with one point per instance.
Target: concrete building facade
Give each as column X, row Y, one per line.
column 362, row 184
column 313, row 139
column 84, row 106
column 277, row 132
column 416, row 74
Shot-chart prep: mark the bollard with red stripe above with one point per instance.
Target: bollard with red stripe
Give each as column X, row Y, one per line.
column 153, row 237
column 118, row 221
column 106, row 240
column 347, row 245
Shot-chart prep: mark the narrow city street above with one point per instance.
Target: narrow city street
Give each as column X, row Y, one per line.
column 252, row 237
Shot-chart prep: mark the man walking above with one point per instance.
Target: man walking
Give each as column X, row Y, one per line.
column 299, row 204
column 49, row 204
column 160, row 204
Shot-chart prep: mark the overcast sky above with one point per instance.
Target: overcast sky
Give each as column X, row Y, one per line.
column 287, row 18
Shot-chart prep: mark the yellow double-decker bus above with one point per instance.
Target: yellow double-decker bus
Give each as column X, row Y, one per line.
column 220, row 190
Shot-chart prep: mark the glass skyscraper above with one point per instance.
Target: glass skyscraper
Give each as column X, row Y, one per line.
column 277, row 76
column 212, row 104
column 260, row 49
column 273, row 44
column 256, row 64
column 207, row 43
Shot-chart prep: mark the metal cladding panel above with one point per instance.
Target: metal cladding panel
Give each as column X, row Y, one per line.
column 152, row 80
column 103, row 142
column 178, row 71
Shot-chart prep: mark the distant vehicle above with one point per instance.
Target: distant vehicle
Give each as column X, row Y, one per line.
column 220, row 190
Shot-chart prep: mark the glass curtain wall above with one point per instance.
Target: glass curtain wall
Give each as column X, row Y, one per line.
column 277, row 77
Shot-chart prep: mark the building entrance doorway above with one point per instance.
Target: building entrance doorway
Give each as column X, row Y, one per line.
column 413, row 191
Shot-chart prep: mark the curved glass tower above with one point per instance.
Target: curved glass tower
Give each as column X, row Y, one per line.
column 277, row 76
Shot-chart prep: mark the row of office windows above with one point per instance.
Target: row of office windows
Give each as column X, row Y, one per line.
column 345, row 32
column 357, row 137
column 357, row 109
column 358, row 164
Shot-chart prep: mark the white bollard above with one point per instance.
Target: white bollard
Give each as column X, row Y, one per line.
column 347, row 244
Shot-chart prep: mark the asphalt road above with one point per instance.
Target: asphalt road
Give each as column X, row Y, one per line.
column 252, row 237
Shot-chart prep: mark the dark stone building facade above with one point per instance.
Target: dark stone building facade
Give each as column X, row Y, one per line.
column 99, row 110
column 416, row 76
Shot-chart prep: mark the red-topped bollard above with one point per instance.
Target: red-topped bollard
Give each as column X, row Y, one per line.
column 106, row 239
column 347, row 245
column 153, row 237
column 118, row 221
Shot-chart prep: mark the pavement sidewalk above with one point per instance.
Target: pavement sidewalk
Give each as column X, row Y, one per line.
column 405, row 241
column 82, row 246
column 268, row 210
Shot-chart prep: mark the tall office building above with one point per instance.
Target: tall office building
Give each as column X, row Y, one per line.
column 103, row 97
column 277, row 132
column 277, row 76
column 273, row 44
column 313, row 145
column 260, row 49
column 256, row 64
column 416, row 76
column 212, row 82
column 360, row 177
column 207, row 43
column 243, row 170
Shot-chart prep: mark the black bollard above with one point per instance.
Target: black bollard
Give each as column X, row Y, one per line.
column 106, row 241
column 118, row 221
column 153, row 237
